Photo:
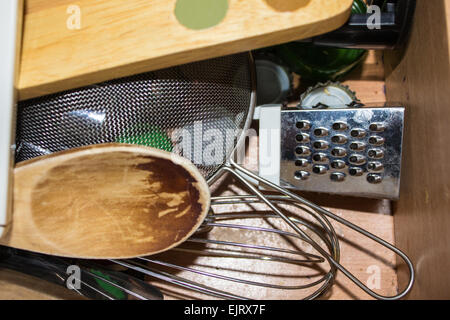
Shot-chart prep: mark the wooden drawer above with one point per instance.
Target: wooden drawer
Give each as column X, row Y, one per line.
column 417, row 77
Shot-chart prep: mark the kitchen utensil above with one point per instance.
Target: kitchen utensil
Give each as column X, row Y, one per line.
column 211, row 96
column 347, row 151
column 105, row 39
column 106, row 201
column 205, row 107
column 94, row 282
column 249, row 253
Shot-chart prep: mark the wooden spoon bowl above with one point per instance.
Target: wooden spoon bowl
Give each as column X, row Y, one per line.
column 106, row 201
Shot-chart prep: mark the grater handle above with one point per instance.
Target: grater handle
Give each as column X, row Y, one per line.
column 269, row 117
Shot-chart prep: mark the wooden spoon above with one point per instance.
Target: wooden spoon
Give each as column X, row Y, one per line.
column 106, row 201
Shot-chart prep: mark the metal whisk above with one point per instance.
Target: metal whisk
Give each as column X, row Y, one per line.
column 235, row 253
column 181, row 110
column 297, row 259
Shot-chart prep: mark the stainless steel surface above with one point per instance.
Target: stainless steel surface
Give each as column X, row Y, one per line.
column 157, row 109
column 274, row 81
column 370, row 142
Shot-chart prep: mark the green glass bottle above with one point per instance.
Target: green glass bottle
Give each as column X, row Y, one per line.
column 316, row 63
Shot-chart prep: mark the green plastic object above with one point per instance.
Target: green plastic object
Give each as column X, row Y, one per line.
column 319, row 64
column 117, row 293
column 153, row 137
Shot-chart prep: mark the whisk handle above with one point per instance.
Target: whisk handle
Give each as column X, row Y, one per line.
column 242, row 174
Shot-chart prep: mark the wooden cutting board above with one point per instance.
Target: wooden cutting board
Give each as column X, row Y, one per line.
column 106, row 201
column 68, row 44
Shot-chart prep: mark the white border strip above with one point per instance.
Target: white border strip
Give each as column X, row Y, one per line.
column 10, row 35
column 270, row 142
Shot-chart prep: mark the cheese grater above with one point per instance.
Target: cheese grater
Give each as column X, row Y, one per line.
column 347, row 151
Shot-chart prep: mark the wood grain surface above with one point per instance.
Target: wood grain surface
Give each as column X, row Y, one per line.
column 106, row 201
column 118, row 38
column 19, row 286
column 419, row 77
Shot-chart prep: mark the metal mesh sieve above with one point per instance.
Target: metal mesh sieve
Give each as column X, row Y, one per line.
column 171, row 109
column 197, row 110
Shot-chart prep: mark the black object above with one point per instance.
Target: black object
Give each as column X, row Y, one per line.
column 395, row 24
column 95, row 281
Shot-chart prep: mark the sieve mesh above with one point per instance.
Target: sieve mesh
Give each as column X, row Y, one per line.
column 192, row 110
